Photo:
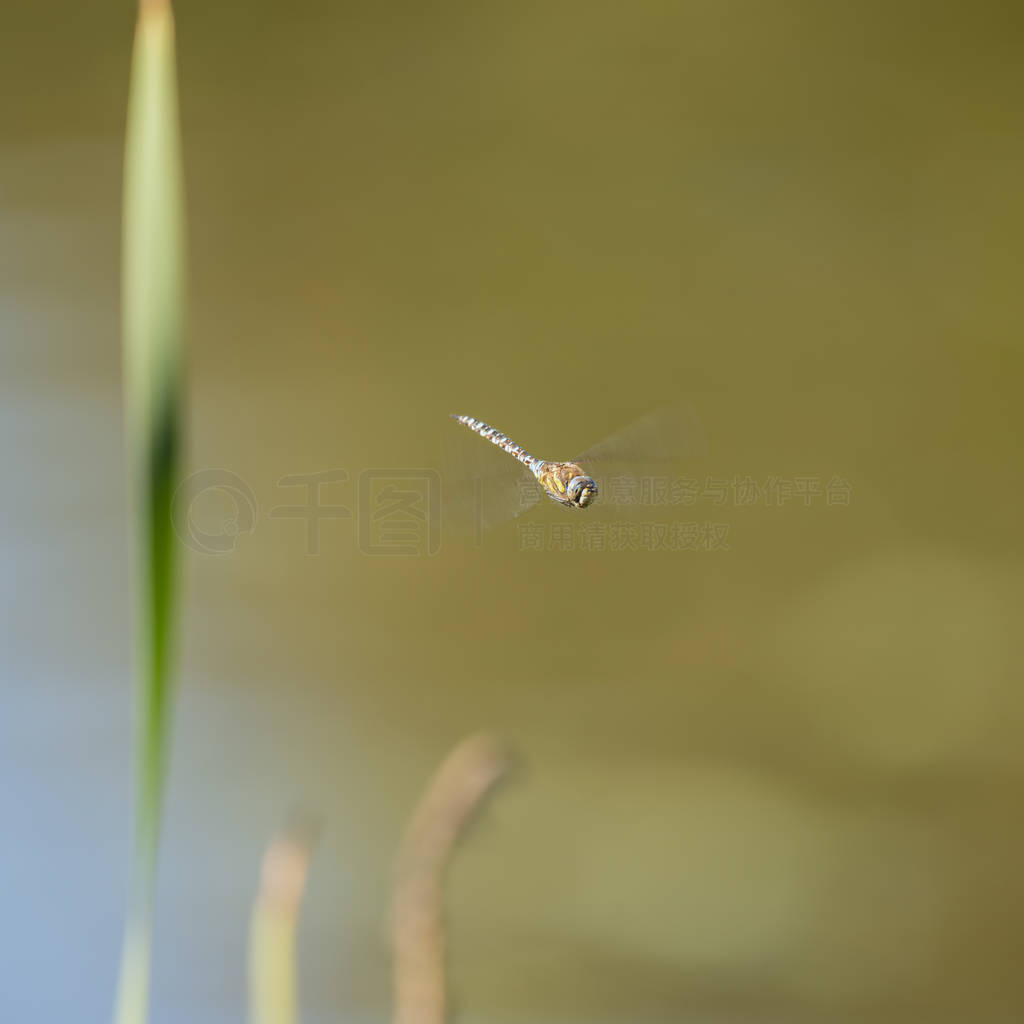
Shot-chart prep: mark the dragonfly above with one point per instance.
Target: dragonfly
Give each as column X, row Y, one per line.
column 668, row 433
column 564, row 482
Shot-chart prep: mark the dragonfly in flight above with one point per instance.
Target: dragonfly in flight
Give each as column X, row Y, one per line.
column 666, row 434
column 564, row 482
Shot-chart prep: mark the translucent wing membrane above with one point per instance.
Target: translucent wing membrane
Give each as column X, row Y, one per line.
column 484, row 487
column 638, row 468
column 474, row 507
column 668, row 434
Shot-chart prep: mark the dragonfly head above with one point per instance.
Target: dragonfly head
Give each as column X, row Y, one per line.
column 581, row 491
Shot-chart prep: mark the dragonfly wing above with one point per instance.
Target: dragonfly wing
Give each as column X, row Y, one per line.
column 484, row 487
column 667, row 434
column 480, row 504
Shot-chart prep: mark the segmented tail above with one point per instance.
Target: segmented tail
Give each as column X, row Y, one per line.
column 497, row 437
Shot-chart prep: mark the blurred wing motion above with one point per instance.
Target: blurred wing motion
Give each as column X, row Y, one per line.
column 485, row 488
column 667, row 434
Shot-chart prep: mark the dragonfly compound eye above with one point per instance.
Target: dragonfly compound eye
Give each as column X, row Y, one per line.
column 581, row 491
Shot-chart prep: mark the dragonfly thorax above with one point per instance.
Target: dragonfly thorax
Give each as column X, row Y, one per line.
column 566, row 483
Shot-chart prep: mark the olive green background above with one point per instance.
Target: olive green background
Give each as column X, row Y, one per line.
column 777, row 782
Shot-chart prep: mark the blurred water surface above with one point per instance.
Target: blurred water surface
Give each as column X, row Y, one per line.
column 770, row 773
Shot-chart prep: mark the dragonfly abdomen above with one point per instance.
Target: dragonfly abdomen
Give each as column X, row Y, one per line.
column 497, row 437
